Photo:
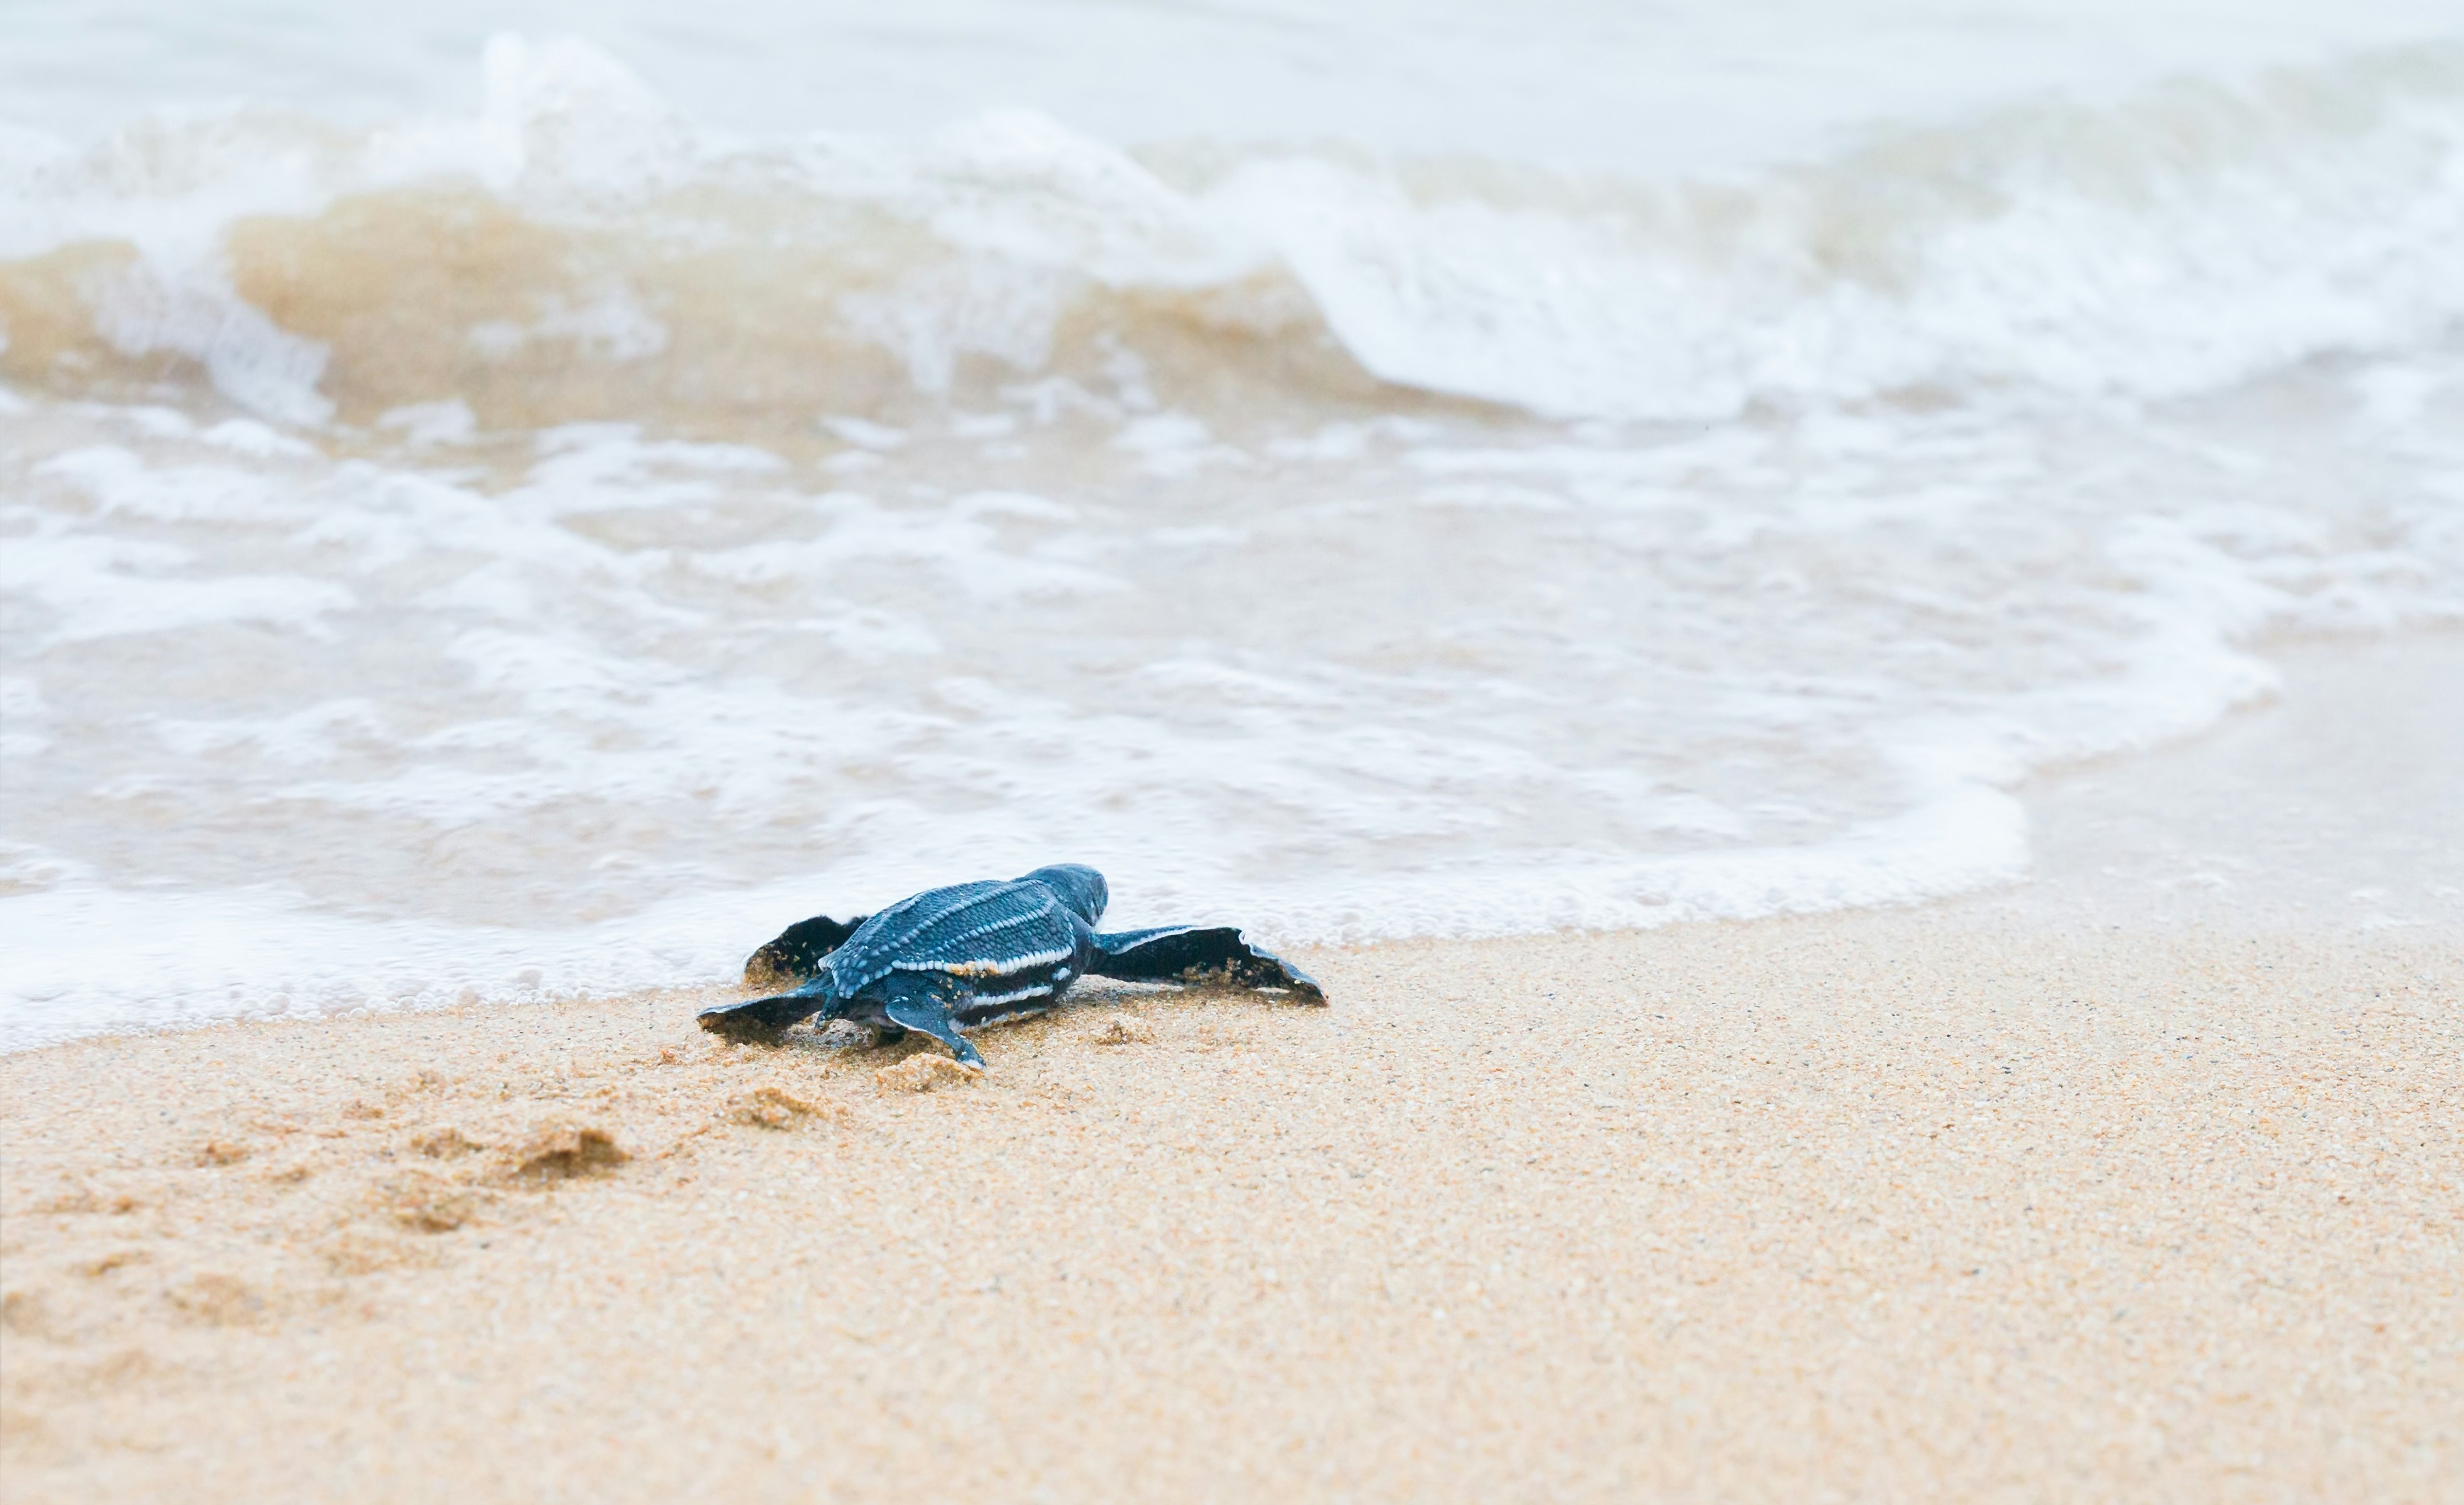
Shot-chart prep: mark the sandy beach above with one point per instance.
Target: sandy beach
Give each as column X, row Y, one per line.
column 1903, row 563
column 1920, row 1204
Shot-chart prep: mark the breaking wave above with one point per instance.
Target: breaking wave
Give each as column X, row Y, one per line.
column 577, row 250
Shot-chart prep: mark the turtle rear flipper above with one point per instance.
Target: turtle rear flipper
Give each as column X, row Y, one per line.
column 1198, row 955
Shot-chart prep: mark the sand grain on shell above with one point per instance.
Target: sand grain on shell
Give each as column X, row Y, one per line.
column 1886, row 1204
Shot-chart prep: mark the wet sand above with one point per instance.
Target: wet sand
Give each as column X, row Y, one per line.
column 1915, row 1204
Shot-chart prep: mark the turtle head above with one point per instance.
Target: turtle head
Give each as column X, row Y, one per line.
column 1078, row 886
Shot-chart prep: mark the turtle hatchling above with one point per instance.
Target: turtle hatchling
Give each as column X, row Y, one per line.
column 948, row 960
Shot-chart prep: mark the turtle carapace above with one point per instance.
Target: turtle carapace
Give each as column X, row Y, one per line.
column 949, row 959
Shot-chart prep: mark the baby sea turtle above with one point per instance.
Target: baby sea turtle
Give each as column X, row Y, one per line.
column 950, row 959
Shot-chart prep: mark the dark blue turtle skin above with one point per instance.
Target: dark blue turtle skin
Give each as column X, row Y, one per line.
column 952, row 959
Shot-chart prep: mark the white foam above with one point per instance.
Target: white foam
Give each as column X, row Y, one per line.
column 101, row 588
column 85, row 959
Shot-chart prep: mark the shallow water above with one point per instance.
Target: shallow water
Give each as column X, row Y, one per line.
column 2336, row 805
column 486, row 521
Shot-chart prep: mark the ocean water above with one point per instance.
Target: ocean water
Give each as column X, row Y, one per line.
column 486, row 516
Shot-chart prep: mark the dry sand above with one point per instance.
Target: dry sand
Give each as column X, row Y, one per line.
column 1902, row 1204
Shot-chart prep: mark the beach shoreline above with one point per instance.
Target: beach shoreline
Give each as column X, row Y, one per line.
column 1932, row 1203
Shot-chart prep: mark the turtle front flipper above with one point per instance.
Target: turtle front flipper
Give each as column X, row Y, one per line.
column 796, row 955
column 920, row 1001
column 764, row 1019
column 1198, row 955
